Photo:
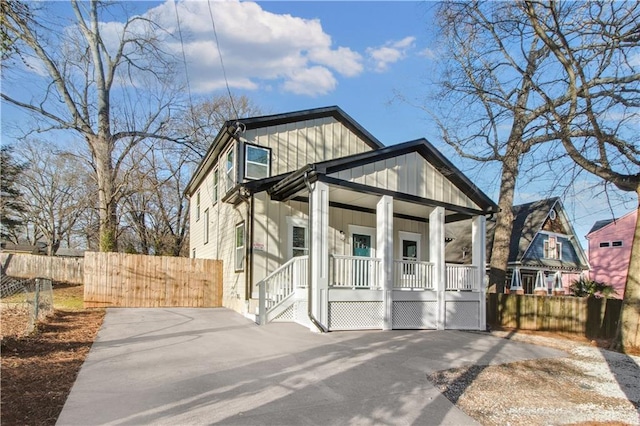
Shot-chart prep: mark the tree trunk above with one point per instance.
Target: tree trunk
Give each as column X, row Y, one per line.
column 504, row 222
column 628, row 335
column 102, row 152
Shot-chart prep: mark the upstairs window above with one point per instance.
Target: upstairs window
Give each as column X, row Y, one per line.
column 257, row 162
column 552, row 249
column 198, row 206
column 605, row 244
column 230, row 169
column 616, row 244
column 214, row 190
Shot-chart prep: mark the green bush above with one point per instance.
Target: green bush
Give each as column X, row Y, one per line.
column 584, row 287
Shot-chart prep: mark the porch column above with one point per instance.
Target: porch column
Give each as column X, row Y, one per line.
column 319, row 251
column 479, row 259
column 384, row 251
column 436, row 256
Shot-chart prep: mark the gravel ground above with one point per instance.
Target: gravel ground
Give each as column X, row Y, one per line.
column 590, row 386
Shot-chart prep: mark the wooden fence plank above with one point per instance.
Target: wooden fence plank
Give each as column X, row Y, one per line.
column 581, row 316
column 131, row 280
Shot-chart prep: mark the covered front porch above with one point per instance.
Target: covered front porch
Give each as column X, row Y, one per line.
column 376, row 277
column 376, row 253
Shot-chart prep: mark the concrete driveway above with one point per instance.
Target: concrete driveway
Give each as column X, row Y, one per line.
column 203, row 366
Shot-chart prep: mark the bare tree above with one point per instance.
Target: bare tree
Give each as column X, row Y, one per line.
column 496, row 66
column 203, row 121
column 111, row 85
column 598, row 51
column 52, row 198
column 155, row 213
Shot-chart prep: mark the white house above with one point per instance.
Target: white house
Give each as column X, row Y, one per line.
column 319, row 223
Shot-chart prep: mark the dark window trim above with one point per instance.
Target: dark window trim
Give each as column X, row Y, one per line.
column 244, row 160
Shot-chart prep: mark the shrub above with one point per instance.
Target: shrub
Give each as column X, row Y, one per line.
column 584, row 287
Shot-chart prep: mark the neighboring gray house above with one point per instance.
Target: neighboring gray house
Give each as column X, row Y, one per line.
column 319, row 223
column 545, row 254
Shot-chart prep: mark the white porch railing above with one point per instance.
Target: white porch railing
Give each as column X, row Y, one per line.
column 413, row 274
column 355, row 272
column 462, row 277
column 282, row 283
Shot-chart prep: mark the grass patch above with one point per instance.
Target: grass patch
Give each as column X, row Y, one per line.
column 68, row 297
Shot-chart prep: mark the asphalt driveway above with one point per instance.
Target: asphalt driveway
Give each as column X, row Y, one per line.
column 202, row 366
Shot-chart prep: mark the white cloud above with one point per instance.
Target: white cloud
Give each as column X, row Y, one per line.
column 390, row 52
column 428, row 53
column 258, row 48
column 311, row 81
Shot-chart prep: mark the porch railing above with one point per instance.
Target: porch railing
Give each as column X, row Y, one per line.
column 355, row 272
column 462, row 277
column 283, row 282
column 412, row 274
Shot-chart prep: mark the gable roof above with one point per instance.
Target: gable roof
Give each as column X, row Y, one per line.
column 293, row 183
column 600, row 224
column 231, row 129
column 309, row 114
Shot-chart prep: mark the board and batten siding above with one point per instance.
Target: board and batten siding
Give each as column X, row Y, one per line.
column 296, row 144
column 409, row 174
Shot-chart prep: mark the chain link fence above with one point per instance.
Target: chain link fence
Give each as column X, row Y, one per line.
column 23, row 302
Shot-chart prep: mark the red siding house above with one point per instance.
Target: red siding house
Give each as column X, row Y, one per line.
column 610, row 250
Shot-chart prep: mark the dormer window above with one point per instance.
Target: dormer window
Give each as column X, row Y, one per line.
column 257, row 162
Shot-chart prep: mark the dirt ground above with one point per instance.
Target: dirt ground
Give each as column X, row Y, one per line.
column 590, row 386
column 38, row 370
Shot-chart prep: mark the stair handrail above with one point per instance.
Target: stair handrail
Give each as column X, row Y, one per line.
column 284, row 291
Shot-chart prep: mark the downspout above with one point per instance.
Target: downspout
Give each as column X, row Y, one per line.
column 312, row 318
column 249, row 259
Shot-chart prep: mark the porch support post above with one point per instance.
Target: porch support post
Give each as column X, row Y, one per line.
column 479, row 259
column 384, row 251
column 319, row 251
column 436, row 256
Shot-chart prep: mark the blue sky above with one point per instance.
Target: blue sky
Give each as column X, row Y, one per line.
column 359, row 55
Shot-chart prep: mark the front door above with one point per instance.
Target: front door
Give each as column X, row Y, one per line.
column 361, row 248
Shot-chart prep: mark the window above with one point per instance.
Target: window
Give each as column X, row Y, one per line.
column 257, row 162
column 230, row 167
column 214, row 190
column 299, row 246
column 616, row 244
column 198, row 206
column 409, row 251
column 298, row 236
column 206, row 226
column 605, row 244
column 240, row 244
column 552, row 249
column 193, row 253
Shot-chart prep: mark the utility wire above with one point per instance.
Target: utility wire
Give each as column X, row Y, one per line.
column 224, row 72
column 186, row 69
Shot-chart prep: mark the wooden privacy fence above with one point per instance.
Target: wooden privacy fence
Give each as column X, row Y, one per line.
column 60, row 269
column 584, row 316
column 133, row 280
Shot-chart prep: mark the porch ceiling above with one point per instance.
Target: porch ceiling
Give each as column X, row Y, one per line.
column 370, row 201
